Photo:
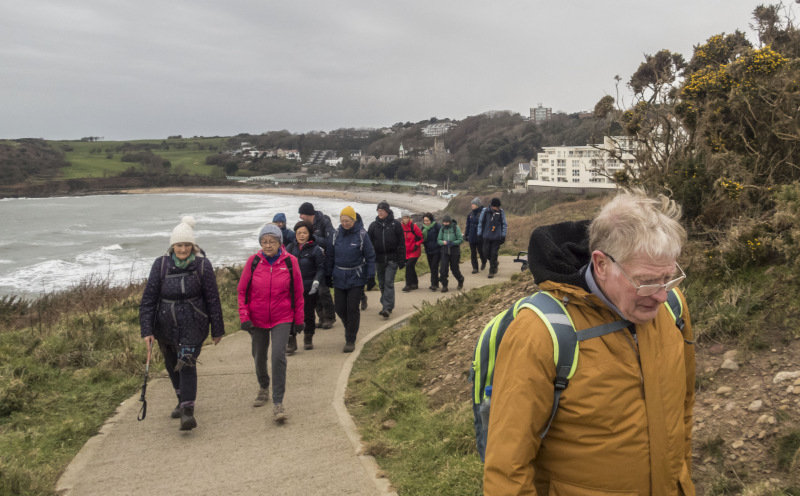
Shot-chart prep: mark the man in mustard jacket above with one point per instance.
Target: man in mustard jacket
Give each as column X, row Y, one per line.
column 623, row 425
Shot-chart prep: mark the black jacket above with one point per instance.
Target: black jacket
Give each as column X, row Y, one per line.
column 388, row 239
column 311, row 259
column 323, row 229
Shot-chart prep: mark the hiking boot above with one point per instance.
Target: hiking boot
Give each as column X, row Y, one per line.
column 349, row 347
column 406, row 289
column 433, row 288
column 384, row 313
column 364, row 302
column 278, row 413
column 491, row 275
column 262, row 398
column 474, row 271
column 444, row 289
column 176, row 413
column 461, row 283
column 307, row 344
column 187, row 418
column 483, row 265
column 413, row 287
column 291, row 346
column 328, row 324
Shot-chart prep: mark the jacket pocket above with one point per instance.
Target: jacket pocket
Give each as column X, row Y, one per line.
column 561, row 488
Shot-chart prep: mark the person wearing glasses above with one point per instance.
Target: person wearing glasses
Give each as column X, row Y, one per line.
column 271, row 306
column 624, row 423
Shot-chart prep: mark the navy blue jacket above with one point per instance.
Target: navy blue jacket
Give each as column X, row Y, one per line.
column 179, row 304
column 471, row 229
column 431, row 243
column 288, row 236
column 311, row 259
column 350, row 259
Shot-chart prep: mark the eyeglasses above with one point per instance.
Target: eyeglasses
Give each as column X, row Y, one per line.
column 272, row 242
column 651, row 289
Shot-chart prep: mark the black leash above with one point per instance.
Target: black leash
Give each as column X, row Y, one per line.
column 143, row 410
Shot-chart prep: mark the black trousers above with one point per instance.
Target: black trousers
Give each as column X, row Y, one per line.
column 324, row 306
column 348, row 309
column 451, row 256
column 411, row 272
column 309, row 319
column 183, row 376
column 433, row 263
column 490, row 248
column 476, row 251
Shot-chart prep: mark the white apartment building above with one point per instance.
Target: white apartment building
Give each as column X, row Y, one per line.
column 583, row 167
column 437, row 129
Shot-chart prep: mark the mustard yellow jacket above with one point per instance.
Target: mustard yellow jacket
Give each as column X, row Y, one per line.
column 624, row 423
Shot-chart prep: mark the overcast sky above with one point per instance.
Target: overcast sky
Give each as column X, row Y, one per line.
column 134, row 69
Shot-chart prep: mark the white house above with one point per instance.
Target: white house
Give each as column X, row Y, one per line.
column 437, row 129
column 583, row 167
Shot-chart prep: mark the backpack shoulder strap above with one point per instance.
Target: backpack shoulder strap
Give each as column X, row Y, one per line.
column 675, row 308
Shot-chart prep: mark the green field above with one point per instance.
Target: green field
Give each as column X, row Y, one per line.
column 190, row 160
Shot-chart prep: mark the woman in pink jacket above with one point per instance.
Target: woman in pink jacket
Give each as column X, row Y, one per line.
column 270, row 303
column 414, row 239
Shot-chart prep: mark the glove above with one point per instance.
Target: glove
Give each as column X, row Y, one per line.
column 314, row 288
column 370, row 284
column 298, row 328
column 247, row 326
column 502, row 240
column 329, row 281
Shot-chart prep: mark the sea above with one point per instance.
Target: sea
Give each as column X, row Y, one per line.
column 53, row 244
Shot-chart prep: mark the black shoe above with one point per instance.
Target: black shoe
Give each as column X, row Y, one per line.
column 307, row 342
column 349, row 347
column 176, row 413
column 474, row 271
column 483, row 265
column 444, row 289
column 364, row 302
column 384, row 313
column 413, row 287
column 291, row 346
column 491, row 275
column 328, row 324
column 187, row 418
column 406, row 289
column 461, row 283
column 434, row 288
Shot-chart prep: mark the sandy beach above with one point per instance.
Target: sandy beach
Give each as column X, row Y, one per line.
column 410, row 201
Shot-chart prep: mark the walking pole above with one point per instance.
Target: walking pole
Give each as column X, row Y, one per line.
column 143, row 410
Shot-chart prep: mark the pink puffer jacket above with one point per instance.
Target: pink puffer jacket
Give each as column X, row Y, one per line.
column 269, row 303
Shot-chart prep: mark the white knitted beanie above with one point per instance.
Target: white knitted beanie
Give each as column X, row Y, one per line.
column 183, row 232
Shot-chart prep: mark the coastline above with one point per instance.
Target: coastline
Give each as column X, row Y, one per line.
column 407, row 201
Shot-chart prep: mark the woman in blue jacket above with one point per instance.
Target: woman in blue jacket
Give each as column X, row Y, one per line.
column 350, row 262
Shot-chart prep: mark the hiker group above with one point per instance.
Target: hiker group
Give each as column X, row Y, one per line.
column 285, row 288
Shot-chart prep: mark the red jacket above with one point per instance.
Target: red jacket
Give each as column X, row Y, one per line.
column 413, row 235
column 269, row 303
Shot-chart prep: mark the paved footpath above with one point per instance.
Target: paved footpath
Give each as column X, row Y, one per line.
column 238, row 449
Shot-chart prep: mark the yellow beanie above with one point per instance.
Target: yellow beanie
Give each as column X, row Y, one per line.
column 349, row 211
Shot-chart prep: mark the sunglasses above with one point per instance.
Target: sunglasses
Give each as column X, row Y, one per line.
column 651, row 289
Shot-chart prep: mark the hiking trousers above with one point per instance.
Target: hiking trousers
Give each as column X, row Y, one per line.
column 259, row 341
column 476, row 251
column 348, row 309
column 386, row 271
column 451, row 257
column 309, row 319
column 181, row 365
column 324, row 305
column 491, row 247
column 411, row 272
column 433, row 263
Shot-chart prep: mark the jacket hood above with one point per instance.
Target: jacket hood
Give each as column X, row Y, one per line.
column 390, row 217
column 560, row 253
